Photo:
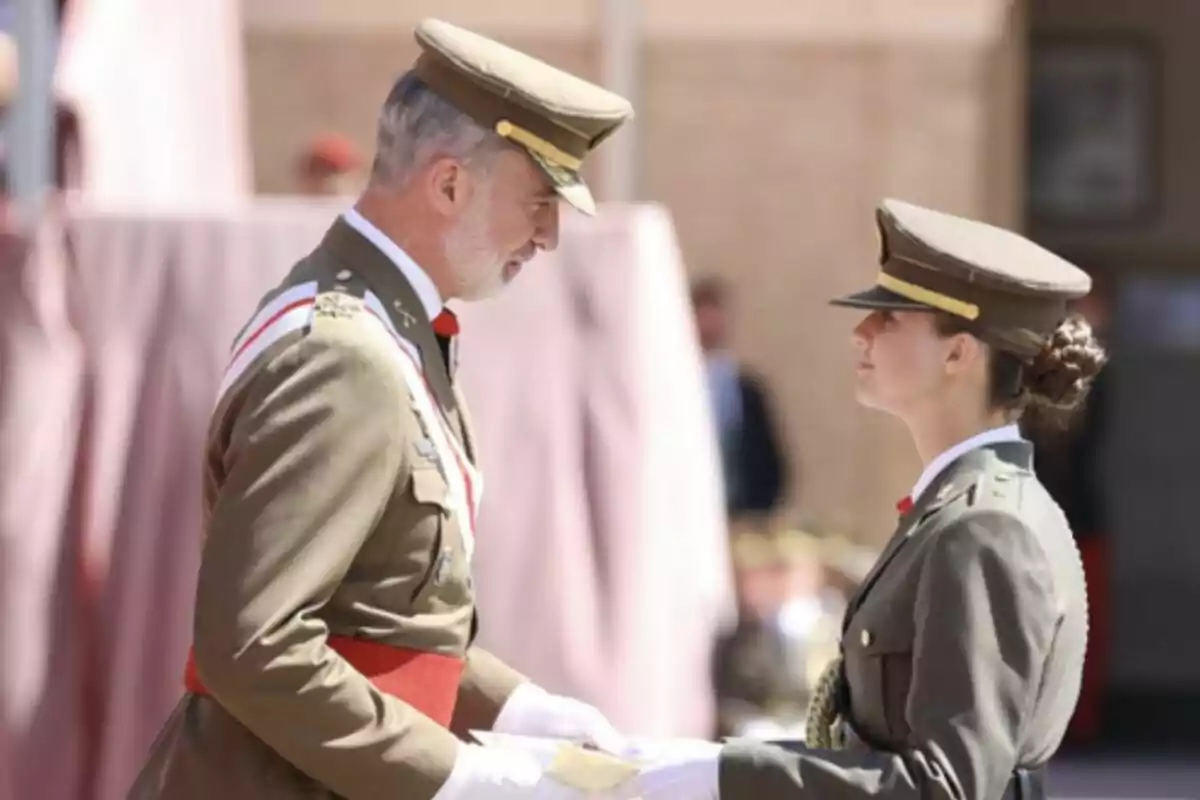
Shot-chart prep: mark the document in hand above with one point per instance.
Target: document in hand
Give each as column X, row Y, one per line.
column 571, row 764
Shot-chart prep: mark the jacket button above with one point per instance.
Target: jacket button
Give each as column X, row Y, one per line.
column 344, row 275
column 866, row 638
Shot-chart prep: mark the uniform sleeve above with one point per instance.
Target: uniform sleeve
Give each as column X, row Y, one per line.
column 487, row 683
column 985, row 620
column 315, row 451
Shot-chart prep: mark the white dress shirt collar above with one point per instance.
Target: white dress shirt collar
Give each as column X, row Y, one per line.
column 427, row 293
column 1005, row 433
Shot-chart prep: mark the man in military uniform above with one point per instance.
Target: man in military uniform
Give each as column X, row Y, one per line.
column 333, row 652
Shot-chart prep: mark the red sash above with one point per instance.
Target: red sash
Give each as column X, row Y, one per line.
column 426, row 681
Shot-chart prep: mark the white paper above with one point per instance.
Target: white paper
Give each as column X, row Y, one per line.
column 588, row 770
column 637, row 751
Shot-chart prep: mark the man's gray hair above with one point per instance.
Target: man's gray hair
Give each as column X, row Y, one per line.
column 416, row 124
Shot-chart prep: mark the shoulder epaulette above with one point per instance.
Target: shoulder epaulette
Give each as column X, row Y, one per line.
column 999, row 489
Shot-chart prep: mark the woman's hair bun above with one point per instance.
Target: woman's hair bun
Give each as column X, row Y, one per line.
column 1057, row 381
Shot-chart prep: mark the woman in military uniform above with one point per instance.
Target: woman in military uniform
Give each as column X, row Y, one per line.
column 962, row 650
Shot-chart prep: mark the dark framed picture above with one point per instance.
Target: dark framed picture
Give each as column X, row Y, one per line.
column 1093, row 146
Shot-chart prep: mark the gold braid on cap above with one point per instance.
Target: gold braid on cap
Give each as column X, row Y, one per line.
column 938, row 300
column 531, row 141
column 822, row 726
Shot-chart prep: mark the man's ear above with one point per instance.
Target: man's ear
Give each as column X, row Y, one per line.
column 448, row 185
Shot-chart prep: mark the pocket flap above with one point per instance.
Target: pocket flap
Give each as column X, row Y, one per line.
column 429, row 487
column 879, row 639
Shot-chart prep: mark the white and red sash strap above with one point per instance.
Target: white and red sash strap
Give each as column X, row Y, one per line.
column 292, row 310
column 464, row 481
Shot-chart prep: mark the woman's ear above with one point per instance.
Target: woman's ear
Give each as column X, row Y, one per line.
column 962, row 350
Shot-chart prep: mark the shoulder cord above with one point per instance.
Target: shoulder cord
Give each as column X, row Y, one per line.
column 823, row 720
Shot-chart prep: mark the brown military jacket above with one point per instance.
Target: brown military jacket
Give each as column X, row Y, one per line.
column 963, row 649
column 336, row 511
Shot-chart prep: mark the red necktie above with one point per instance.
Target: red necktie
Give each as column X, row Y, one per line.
column 904, row 505
column 446, row 324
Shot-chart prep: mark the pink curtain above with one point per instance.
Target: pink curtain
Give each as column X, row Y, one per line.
column 41, row 390
column 596, row 441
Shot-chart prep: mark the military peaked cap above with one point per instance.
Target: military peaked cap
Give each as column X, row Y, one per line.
column 554, row 116
column 1009, row 290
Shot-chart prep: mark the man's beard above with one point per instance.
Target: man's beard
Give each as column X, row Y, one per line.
column 477, row 265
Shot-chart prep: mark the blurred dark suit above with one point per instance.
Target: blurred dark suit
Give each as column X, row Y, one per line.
column 752, row 457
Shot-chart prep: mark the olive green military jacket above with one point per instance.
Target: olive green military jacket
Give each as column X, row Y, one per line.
column 963, row 649
column 335, row 507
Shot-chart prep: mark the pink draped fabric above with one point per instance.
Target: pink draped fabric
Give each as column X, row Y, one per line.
column 41, row 370
column 595, row 439
column 159, row 87
column 601, row 559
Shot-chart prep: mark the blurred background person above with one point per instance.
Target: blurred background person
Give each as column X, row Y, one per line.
column 8, row 90
column 65, row 123
column 752, row 452
column 331, row 165
column 789, row 620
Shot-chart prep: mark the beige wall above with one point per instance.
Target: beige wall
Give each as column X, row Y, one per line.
column 770, row 139
column 848, row 19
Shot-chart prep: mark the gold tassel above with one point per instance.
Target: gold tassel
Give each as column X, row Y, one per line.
column 822, row 724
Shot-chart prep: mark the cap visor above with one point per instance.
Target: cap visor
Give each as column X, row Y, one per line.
column 878, row 297
column 568, row 184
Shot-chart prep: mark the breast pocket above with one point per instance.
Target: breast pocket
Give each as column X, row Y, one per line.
column 430, row 489
column 879, row 671
column 447, row 580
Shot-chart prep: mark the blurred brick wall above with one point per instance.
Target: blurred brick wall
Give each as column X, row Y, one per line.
column 771, row 150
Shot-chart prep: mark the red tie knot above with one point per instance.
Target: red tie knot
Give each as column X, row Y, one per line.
column 446, row 324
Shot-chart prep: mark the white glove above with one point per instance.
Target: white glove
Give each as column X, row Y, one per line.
column 532, row 711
